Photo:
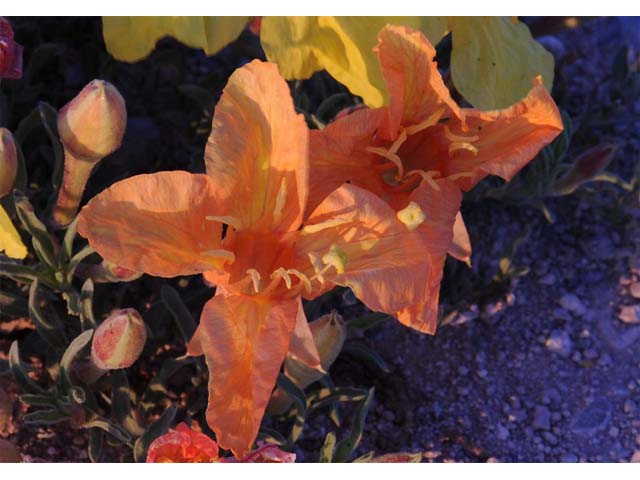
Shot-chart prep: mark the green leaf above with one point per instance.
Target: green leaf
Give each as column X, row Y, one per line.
column 112, row 429
column 86, row 305
column 75, row 261
column 49, row 117
column 494, row 60
column 45, row 417
column 52, row 331
column 66, row 252
column 43, row 244
column 298, row 396
column 328, row 448
column 271, row 435
column 169, row 367
column 96, row 442
column 20, row 374
column 157, row 428
column 180, row 313
column 367, row 356
column 326, row 396
column 367, row 322
column 345, row 447
column 72, row 351
column 38, row 400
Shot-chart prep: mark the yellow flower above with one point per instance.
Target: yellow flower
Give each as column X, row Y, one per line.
column 10, row 242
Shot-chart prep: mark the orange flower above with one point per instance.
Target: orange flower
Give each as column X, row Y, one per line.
column 409, row 151
column 255, row 191
column 184, row 445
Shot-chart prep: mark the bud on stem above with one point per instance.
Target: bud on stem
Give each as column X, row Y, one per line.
column 8, row 162
column 119, row 340
column 91, row 126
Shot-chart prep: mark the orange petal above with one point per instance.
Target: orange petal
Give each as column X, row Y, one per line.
column 244, row 343
column 256, row 155
column 384, row 262
column 440, row 209
column 461, row 244
column 155, row 224
column 415, row 85
column 508, row 139
column 303, row 347
column 337, row 154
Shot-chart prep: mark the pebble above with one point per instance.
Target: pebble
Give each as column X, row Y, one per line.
column 568, row 458
column 638, row 440
column 614, row 432
column 542, row 418
column 635, row 458
column 573, row 304
column 561, row 314
column 593, row 418
column 630, row 314
column 502, row 433
column 548, row 279
column 591, row 354
column 559, row 342
column 634, row 289
column 550, row 438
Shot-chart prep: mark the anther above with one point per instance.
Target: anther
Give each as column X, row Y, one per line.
column 412, row 216
column 337, row 258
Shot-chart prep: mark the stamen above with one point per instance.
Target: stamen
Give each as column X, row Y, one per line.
column 462, row 146
column 228, row 219
column 392, row 157
column 427, row 177
column 318, row 268
column 318, row 227
column 304, row 280
column 412, row 216
column 280, row 199
column 255, row 278
column 337, row 258
column 458, row 138
column 225, row 255
column 429, row 122
column 282, row 273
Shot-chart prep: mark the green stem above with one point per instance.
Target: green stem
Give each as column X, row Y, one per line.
column 76, row 173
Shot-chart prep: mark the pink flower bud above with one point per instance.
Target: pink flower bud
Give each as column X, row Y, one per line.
column 91, row 126
column 119, row 340
column 8, row 162
column 10, row 52
column 584, row 168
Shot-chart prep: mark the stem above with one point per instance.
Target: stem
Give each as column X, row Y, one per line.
column 76, row 173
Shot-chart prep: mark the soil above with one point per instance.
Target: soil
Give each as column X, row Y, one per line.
column 543, row 367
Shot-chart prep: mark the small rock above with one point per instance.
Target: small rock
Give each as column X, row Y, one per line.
column 502, row 433
column 561, row 314
column 550, row 438
column 573, row 304
column 635, row 458
column 548, row 279
column 638, row 440
column 634, row 289
column 542, row 418
column 591, row 354
column 593, row 418
column 630, row 314
column 559, row 342
column 568, row 458
column 614, row 432
column 518, row 416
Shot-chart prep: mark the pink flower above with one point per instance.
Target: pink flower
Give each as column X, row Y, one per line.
column 10, row 52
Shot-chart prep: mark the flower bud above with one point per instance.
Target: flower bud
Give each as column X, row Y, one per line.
column 8, row 162
column 585, row 168
column 91, row 126
column 329, row 333
column 10, row 52
column 119, row 340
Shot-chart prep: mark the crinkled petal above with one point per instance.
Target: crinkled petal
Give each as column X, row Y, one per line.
column 156, row 224
column 384, row 262
column 504, row 140
column 256, row 155
column 130, row 39
column 182, row 445
column 302, row 346
column 10, row 242
column 337, row 154
column 413, row 81
column 244, row 342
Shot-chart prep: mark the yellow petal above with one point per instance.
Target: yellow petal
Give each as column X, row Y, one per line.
column 10, row 242
column 494, row 59
column 131, row 39
column 341, row 45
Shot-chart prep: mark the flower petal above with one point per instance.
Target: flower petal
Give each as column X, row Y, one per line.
column 244, row 343
column 155, row 224
column 182, row 445
column 130, row 39
column 414, row 83
column 337, row 154
column 302, row 346
column 384, row 262
column 460, row 248
column 493, row 60
column 256, row 155
column 10, row 242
